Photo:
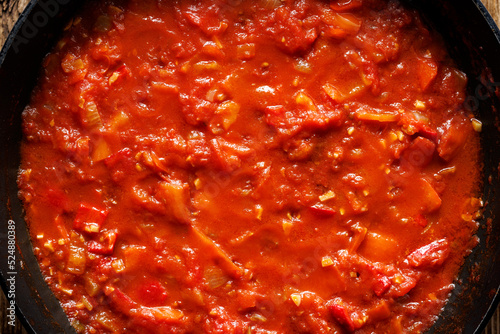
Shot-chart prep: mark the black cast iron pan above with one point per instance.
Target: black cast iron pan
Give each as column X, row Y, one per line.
column 472, row 39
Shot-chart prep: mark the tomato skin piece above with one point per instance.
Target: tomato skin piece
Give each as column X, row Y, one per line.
column 430, row 256
column 322, row 210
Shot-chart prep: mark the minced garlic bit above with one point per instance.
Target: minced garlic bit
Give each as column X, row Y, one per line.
column 326, row 196
column 477, row 125
column 398, row 279
column 383, row 143
column 401, row 135
column 326, row 261
column 287, row 226
column 69, row 292
column 296, row 298
column 350, row 130
column 92, row 228
column 88, row 305
column 48, row 245
column 361, row 321
column 393, row 136
column 259, row 210
column 118, row 265
column 467, row 217
column 419, row 105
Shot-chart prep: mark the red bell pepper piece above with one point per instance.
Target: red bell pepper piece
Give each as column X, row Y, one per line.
column 89, row 219
column 344, row 314
column 322, row 210
column 382, row 285
column 106, row 244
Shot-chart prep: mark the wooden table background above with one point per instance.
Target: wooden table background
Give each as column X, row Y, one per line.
column 10, row 12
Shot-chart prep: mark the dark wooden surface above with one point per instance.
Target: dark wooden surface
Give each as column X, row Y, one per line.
column 11, row 10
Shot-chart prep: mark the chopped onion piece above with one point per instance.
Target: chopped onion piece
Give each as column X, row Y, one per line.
column 382, row 117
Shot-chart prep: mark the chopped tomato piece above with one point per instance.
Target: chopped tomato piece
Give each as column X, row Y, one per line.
column 421, row 220
column 105, row 245
column 206, row 18
column 427, row 132
column 430, row 256
column 431, row 200
column 175, row 196
column 343, row 314
column 427, row 72
column 247, row 299
column 58, row 199
column 379, row 248
column 358, row 237
column 382, row 285
column 420, row 152
column 151, row 292
column 453, row 137
column 120, row 164
column 89, row 219
column 379, row 312
column 118, row 75
column 290, row 33
column 119, row 300
column 402, row 284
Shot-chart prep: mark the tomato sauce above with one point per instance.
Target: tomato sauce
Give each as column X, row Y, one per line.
column 250, row 167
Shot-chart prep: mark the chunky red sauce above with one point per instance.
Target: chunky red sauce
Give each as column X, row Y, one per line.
column 250, row 167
